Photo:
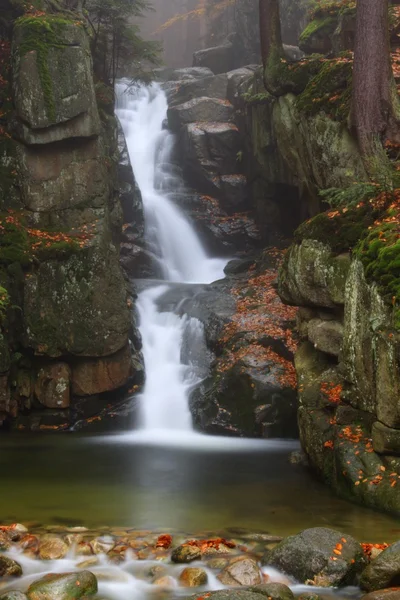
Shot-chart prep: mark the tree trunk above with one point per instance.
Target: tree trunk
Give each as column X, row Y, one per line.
column 375, row 101
column 271, row 45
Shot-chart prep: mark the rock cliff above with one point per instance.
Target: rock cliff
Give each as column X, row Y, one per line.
column 67, row 332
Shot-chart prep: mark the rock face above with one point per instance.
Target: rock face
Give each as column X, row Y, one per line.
column 63, row 271
column 348, row 371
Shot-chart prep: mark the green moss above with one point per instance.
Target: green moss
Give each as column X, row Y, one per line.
column 58, row 250
column 333, row 8
column 329, row 90
column 340, row 229
column 42, row 35
column 379, row 251
column 4, row 303
column 14, row 245
column 320, row 25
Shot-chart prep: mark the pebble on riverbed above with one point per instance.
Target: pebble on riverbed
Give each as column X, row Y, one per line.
column 318, row 557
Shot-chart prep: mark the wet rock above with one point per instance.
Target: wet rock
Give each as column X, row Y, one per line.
column 192, row 577
column 90, row 377
column 217, row 563
column 309, row 556
column 184, row 554
column 200, row 109
column 167, row 581
column 52, row 387
column 274, row 591
column 13, row 595
column 387, row 594
column 157, row 571
column 383, row 571
column 241, row 571
column 9, row 567
column 233, row 594
column 102, row 545
column 52, row 548
column 5, row 541
column 64, row 586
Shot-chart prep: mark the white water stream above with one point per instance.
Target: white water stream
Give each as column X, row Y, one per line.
column 179, row 252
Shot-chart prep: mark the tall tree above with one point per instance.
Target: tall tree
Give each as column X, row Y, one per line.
column 375, row 109
column 271, row 47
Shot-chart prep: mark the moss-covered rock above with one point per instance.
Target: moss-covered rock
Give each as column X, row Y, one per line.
column 318, row 150
column 53, row 84
column 77, row 306
column 312, row 275
column 316, row 37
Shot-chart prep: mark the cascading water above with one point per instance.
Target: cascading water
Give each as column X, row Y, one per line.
column 179, row 252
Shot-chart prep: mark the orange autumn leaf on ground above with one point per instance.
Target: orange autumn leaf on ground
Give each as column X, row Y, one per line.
column 204, row 545
column 367, row 548
column 164, row 541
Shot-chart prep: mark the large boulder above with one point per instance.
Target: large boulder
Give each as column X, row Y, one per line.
column 218, row 59
column 53, row 84
column 322, row 556
column 78, row 305
column 200, row 109
column 210, row 150
column 383, row 571
column 214, row 86
column 313, row 276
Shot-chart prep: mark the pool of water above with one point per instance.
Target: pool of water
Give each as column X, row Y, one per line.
column 74, row 479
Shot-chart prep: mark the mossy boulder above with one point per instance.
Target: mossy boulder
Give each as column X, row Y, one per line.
column 77, row 306
column 319, row 151
column 53, row 83
column 63, row 586
column 370, row 350
column 309, row 557
column 316, row 37
column 312, row 275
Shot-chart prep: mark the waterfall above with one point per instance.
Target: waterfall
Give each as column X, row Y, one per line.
column 164, row 401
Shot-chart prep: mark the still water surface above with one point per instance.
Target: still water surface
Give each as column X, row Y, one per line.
column 81, row 480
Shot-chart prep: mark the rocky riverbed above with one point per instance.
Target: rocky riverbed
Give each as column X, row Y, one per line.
column 57, row 563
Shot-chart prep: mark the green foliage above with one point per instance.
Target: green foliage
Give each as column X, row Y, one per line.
column 14, row 245
column 349, row 197
column 322, row 8
column 116, row 42
column 4, row 303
